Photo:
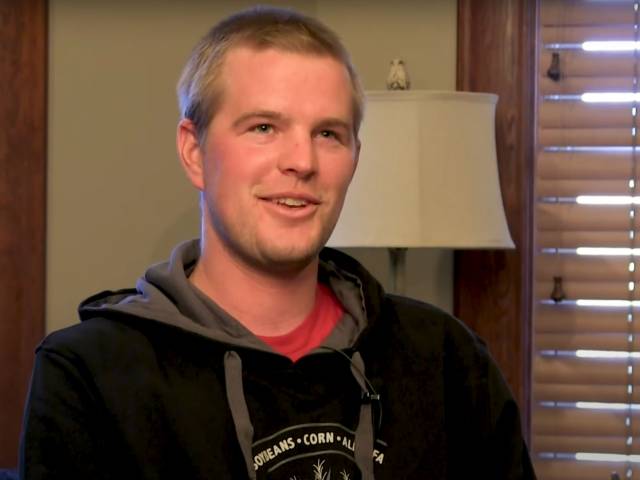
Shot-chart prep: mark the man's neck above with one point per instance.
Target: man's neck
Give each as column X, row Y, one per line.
column 266, row 304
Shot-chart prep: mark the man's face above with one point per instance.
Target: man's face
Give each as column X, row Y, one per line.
column 278, row 157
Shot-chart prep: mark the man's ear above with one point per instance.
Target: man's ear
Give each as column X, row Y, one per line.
column 190, row 152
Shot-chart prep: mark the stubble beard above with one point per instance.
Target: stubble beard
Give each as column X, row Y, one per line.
column 265, row 255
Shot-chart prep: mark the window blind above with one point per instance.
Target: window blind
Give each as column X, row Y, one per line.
column 586, row 397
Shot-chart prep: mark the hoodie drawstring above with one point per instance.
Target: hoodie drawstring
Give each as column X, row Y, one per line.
column 364, row 432
column 238, row 407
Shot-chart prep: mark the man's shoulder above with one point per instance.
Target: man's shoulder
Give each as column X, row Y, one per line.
column 435, row 341
column 424, row 338
column 91, row 338
column 427, row 325
column 83, row 331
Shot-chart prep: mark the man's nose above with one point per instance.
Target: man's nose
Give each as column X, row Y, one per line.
column 300, row 158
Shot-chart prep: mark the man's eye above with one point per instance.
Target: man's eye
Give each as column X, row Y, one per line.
column 262, row 128
column 328, row 134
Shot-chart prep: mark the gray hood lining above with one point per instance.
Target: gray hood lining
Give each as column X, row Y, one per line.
column 165, row 295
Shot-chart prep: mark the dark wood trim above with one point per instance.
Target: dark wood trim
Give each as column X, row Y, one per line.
column 492, row 292
column 23, row 147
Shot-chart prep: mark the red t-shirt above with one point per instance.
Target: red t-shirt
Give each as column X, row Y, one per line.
column 325, row 315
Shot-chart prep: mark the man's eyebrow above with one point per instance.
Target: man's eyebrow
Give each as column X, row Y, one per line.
column 335, row 122
column 267, row 114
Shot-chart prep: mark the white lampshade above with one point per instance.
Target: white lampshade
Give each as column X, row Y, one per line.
column 427, row 175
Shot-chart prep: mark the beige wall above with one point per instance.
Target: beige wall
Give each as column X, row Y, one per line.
column 117, row 199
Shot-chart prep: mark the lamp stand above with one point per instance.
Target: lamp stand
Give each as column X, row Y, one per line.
column 397, row 262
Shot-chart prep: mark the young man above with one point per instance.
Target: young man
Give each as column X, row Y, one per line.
column 254, row 352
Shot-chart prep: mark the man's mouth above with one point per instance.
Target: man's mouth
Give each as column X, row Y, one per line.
column 290, row 202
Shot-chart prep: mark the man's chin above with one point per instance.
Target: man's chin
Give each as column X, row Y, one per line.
column 290, row 262
column 287, row 259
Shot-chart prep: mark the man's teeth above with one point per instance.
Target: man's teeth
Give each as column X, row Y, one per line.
column 290, row 202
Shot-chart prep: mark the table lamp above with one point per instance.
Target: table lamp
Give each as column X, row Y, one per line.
column 427, row 177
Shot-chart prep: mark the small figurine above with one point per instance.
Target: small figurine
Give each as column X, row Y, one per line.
column 398, row 78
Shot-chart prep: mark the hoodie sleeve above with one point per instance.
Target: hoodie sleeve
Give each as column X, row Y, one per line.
column 507, row 452
column 63, row 431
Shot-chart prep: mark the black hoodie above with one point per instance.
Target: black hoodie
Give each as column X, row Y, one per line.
column 160, row 383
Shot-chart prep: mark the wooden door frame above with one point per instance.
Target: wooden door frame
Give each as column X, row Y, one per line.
column 23, row 149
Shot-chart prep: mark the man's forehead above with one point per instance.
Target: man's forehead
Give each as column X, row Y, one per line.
column 244, row 66
column 247, row 69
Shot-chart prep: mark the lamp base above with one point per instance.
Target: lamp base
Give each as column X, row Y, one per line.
column 397, row 263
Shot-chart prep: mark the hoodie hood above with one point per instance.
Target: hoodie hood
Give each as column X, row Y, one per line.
column 164, row 294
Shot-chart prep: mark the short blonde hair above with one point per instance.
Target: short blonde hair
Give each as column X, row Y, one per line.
column 199, row 92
